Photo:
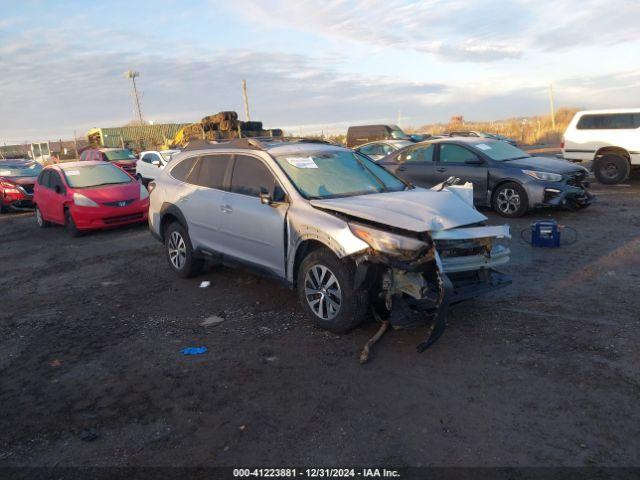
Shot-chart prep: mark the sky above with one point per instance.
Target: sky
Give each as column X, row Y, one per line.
column 310, row 66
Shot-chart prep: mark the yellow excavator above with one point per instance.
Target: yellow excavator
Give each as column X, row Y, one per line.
column 222, row 125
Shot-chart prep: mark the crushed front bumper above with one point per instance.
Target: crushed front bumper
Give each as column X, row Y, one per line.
column 458, row 266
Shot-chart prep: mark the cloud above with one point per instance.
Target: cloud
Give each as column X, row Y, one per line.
column 455, row 30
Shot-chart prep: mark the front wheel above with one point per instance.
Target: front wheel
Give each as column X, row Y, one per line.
column 510, row 200
column 71, row 225
column 326, row 292
column 180, row 252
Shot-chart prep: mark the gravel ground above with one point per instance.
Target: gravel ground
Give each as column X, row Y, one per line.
column 545, row 372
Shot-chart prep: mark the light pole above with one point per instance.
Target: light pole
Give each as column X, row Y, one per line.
column 137, row 111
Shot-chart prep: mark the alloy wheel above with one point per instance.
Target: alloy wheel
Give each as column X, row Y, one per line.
column 177, row 250
column 323, row 292
column 508, row 201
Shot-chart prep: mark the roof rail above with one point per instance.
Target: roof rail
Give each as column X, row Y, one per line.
column 256, row 143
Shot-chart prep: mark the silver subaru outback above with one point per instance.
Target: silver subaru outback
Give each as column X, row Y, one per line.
column 352, row 238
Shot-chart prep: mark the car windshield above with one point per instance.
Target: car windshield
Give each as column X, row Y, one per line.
column 119, row 155
column 26, row 169
column 95, row 175
column 337, row 174
column 499, row 151
column 397, row 133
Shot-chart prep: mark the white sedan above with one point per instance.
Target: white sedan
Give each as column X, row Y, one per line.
column 151, row 162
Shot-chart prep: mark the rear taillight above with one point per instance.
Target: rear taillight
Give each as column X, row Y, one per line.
column 151, row 186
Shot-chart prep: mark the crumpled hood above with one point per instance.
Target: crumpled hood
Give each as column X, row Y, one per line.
column 545, row 164
column 416, row 210
column 21, row 180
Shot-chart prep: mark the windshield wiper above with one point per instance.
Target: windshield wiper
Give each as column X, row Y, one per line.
column 516, row 158
column 105, row 183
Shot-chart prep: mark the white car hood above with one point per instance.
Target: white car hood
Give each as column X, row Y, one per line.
column 416, row 210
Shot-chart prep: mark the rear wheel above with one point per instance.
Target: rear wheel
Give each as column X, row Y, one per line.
column 42, row 223
column 510, row 200
column 611, row 169
column 326, row 292
column 180, row 252
column 3, row 209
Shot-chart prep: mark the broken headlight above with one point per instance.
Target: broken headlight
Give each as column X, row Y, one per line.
column 386, row 242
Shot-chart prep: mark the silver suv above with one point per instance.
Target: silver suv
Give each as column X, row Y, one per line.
column 354, row 239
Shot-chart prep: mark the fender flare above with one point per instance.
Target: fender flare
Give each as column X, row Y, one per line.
column 168, row 208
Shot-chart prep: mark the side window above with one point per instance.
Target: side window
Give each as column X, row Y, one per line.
column 613, row 121
column 450, row 153
column 209, row 171
column 418, row 154
column 369, row 149
column 386, row 149
column 83, row 155
column 44, row 178
column 181, row 171
column 147, row 158
column 251, row 176
column 56, row 181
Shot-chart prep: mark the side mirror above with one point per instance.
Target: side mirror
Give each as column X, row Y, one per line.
column 474, row 161
column 58, row 189
column 265, row 198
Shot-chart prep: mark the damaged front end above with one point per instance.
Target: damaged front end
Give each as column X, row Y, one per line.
column 415, row 277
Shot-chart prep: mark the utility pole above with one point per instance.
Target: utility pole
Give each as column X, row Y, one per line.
column 137, row 111
column 246, row 100
column 553, row 113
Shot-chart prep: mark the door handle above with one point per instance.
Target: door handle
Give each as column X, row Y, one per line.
column 401, row 169
column 226, row 208
column 441, row 169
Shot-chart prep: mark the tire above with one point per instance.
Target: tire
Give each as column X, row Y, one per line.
column 611, row 169
column 3, row 209
column 70, row 225
column 42, row 223
column 180, row 253
column 325, row 290
column 510, row 200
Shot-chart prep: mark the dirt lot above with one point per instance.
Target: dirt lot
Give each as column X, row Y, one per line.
column 546, row 372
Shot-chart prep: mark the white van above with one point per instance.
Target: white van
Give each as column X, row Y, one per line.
column 609, row 138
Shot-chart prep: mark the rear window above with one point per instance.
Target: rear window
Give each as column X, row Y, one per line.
column 610, row 121
column 209, row 171
column 95, row 175
column 119, row 155
column 182, row 170
column 23, row 169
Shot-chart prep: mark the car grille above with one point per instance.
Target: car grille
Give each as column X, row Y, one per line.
column 121, row 203
column 123, row 218
column 463, row 248
column 28, row 189
column 577, row 179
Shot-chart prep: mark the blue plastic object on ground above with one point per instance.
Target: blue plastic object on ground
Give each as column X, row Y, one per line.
column 193, row 350
column 545, row 233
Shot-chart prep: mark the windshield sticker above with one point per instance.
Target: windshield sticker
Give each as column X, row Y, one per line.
column 302, row 162
column 483, row 146
column 71, row 173
column 5, row 172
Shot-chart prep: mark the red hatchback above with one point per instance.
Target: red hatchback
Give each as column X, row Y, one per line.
column 88, row 196
column 122, row 157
